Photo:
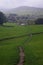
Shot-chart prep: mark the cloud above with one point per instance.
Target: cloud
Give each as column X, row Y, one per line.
column 17, row 3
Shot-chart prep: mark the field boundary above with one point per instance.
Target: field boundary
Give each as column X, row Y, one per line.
column 2, row 39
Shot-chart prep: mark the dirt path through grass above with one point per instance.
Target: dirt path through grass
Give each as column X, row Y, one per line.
column 22, row 55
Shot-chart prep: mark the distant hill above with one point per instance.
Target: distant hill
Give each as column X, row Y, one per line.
column 23, row 10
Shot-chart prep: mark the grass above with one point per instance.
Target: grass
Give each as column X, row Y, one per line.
column 9, row 52
column 18, row 30
column 34, row 51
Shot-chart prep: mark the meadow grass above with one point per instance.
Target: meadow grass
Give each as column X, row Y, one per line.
column 9, row 52
column 34, row 51
column 17, row 30
column 33, row 47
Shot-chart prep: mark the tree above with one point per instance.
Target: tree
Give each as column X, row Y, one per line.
column 2, row 18
column 39, row 21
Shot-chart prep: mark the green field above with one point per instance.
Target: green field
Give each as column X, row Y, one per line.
column 33, row 47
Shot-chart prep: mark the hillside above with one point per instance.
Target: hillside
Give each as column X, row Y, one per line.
column 25, row 10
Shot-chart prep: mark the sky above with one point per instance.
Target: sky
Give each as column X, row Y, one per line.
column 17, row 3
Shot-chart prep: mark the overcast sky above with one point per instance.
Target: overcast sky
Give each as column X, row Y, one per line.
column 17, row 3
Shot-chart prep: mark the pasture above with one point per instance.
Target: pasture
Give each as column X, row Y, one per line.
column 33, row 47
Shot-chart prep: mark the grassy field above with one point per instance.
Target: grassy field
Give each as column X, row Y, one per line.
column 15, row 30
column 9, row 52
column 34, row 51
